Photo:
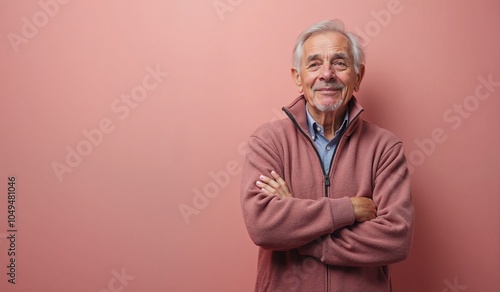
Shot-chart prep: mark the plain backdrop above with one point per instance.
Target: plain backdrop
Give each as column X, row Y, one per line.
column 124, row 125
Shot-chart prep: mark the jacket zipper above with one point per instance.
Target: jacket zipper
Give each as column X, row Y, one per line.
column 326, row 175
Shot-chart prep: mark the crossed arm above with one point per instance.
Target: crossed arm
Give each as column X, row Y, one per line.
column 364, row 208
column 347, row 231
column 376, row 241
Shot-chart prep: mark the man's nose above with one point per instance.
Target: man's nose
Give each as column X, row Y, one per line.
column 327, row 72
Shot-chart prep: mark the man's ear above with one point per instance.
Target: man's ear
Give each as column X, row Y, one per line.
column 296, row 78
column 360, row 76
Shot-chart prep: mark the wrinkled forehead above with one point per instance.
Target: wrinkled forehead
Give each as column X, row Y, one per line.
column 326, row 43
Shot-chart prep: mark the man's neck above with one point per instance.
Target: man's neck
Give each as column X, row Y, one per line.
column 329, row 120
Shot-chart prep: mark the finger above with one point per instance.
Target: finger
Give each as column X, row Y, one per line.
column 277, row 186
column 282, row 183
column 265, row 191
column 282, row 189
column 267, row 188
column 269, row 181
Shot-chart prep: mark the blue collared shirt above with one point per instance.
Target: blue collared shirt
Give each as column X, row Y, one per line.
column 325, row 148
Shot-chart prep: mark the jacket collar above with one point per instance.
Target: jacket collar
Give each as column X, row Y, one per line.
column 296, row 111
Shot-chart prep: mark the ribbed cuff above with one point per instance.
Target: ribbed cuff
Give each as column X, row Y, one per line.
column 342, row 212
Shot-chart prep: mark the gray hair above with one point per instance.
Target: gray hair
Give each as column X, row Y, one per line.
column 355, row 47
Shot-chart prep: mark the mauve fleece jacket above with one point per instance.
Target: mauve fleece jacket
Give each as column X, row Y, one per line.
column 311, row 242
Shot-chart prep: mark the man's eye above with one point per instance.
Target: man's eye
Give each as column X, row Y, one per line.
column 313, row 65
column 340, row 64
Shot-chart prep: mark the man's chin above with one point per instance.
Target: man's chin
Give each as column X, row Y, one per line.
column 329, row 107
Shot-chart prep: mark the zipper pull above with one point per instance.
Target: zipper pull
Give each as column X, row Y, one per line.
column 327, row 181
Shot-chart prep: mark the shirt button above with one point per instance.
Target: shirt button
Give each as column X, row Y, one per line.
column 328, row 147
column 318, row 129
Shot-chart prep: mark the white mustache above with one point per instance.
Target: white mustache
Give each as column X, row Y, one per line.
column 334, row 86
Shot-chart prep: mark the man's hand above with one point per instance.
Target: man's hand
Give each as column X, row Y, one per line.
column 364, row 209
column 274, row 186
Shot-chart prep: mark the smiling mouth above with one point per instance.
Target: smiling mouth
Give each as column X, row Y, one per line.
column 328, row 90
column 332, row 87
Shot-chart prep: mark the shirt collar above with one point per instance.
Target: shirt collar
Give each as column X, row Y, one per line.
column 316, row 129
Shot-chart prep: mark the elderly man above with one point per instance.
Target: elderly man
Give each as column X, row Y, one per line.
column 326, row 195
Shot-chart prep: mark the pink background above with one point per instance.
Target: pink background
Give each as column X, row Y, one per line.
column 65, row 66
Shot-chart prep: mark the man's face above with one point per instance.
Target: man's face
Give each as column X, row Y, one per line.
column 327, row 78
